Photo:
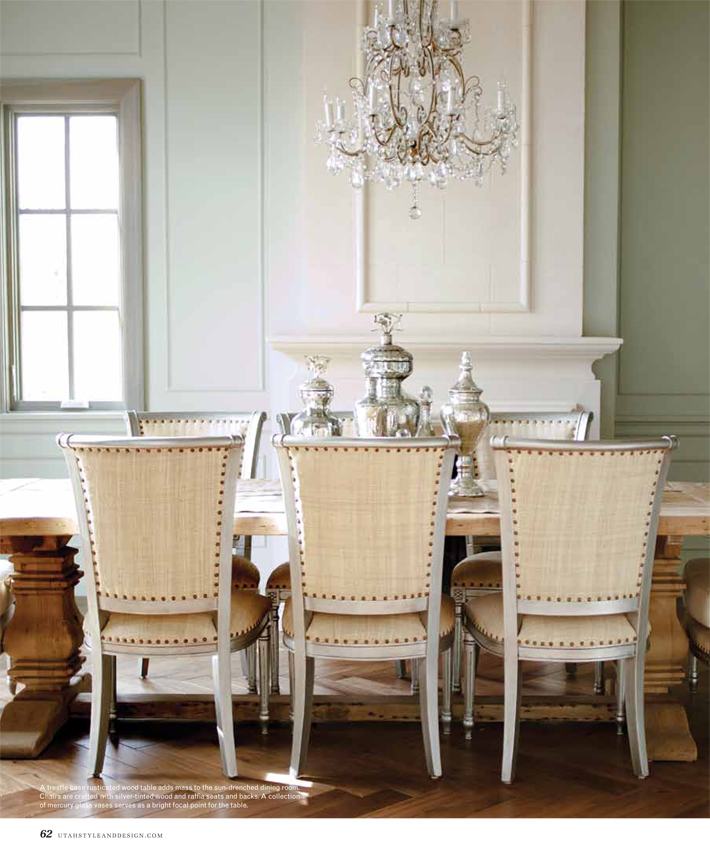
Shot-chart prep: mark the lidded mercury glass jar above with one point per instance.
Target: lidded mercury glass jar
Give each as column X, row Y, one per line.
column 465, row 416
column 386, row 410
column 316, row 394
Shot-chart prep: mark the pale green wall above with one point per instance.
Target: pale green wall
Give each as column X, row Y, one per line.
column 647, row 220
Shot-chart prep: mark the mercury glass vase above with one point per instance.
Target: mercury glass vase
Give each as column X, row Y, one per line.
column 316, row 394
column 465, row 416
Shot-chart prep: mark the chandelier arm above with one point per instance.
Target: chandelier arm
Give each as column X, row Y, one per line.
column 351, row 154
column 476, row 146
column 387, row 140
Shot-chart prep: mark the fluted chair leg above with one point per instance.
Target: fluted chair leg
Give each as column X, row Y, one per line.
column 143, row 667
column 400, row 669
column 100, row 704
column 11, row 683
column 274, row 645
column 446, row 692
column 469, row 683
column 693, row 673
column 248, row 659
column 428, row 704
column 620, row 700
column 291, row 686
column 636, row 727
column 511, row 716
column 264, row 645
column 113, row 706
column 458, row 645
column 415, row 675
column 222, row 678
column 599, row 678
column 304, row 673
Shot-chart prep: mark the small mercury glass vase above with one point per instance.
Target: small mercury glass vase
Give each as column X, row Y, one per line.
column 316, row 394
column 465, row 416
column 425, row 429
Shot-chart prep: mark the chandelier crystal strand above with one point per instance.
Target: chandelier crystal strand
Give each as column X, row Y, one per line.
column 416, row 116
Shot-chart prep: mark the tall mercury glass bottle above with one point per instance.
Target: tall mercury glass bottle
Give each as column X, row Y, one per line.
column 465, row 416
column 316, row 394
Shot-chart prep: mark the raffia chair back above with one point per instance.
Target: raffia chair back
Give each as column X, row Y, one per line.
column 578, row 522
column 560, row 426
column 159, row 514
column 246, row 425
column 366, row 515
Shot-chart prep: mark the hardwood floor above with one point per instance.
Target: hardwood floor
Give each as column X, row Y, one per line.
column 368, row 769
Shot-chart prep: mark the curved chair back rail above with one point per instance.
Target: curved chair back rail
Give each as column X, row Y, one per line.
column 247, row 425
column 154, row 551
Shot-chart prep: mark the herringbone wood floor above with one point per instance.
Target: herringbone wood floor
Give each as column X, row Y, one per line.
column 369, row 769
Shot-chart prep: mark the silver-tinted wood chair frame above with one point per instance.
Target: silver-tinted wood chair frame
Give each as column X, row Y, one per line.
column 279, row 595
column 629, row 656
column 253, row 422
column 426, row 652
column 104, row 653
column 582, row 421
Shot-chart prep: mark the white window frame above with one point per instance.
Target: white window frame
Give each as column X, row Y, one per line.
column 123, row 98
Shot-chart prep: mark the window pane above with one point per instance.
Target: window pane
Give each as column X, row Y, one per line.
column 94, row 259
column 93, row 161
column 45, row 375
column 40, row 162
column 97, row 356
column 43, row 259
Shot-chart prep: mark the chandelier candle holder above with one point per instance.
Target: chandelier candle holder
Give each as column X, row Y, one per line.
column 417, row 117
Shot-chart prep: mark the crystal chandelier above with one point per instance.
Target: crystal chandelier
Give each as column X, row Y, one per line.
column 416, row 116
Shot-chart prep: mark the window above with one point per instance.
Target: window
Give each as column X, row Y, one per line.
column 72, row 230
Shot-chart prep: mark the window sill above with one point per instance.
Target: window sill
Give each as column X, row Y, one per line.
column 80, row 421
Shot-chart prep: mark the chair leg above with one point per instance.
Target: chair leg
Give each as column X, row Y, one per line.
column 222, row 678
column 11, row 683
column 446, row 692
column 469, row 684
column 571, row 670
column 599, row 678
column 415, row 675
column 400, row 669
column 274, row 645
column 620, row 700
column 100, row 703
column 291, row 685
column 251, row 668
column 458, row 645
column 693, row 673
column 428, row 704
column 264, row 645
column 511, row 716
column 636, row 726
column 143, row 667
column 113, row 707
column 302, row 711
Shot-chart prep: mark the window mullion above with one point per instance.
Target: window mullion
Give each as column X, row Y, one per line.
column 70, row 314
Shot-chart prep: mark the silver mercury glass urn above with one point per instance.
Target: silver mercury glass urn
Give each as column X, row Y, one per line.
column 316, row 394
column 386, row 410
column 465, row 416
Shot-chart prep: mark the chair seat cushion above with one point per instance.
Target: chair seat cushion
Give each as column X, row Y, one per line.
column 245, row 574
column 486, row 615
column 697, row 594
column 160, row 630
column 280, row 579
column 364, row 630
column 483, row 570
column 699, row 634
column 6, row 598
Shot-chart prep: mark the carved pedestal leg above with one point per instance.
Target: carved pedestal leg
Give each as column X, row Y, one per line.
column 43, row 640
column 667, row 730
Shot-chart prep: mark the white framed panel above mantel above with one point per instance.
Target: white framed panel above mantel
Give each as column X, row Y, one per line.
column 458, row 267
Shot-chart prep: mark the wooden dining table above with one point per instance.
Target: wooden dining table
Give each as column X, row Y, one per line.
column 44, row 636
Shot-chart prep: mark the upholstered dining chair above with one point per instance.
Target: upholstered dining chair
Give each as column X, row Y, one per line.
column 7, row 606
column 579, row 524
column 278, row 585
column 248, row 425
column 366, row 521
column 156, row 523
column 697, row 614
column 479, row 574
